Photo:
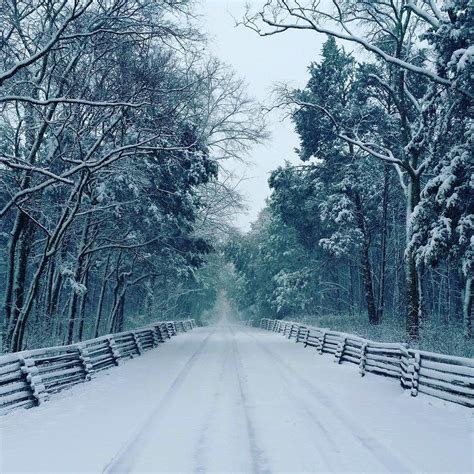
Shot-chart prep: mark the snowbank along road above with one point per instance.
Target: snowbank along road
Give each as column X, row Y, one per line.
column 231, row 399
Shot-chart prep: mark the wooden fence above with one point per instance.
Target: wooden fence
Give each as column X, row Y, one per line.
column 28, row 377
column 447, row 377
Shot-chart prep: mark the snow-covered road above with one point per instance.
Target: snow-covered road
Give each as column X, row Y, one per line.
column 233, row 399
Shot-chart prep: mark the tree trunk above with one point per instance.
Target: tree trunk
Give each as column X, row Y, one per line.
column 20, row 324
column 383, row 249
column 117, row 315
column 50, row 249
column 56, row 287
column 78, row 277
column 82, row 305
column 351, row 291
column 18, row 226
column 411, row 274
column 467, row 309
column 365, row 262
column 20, row 265
column 71, row 316
column 116, row 301
column 101, row 297
column 121, row 312
column 49, row 291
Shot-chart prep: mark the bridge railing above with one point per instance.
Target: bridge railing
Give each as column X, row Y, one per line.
column 27, row 378
column 443, row 376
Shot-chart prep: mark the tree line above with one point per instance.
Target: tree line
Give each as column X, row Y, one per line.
column 116, row 206
column 378, row 218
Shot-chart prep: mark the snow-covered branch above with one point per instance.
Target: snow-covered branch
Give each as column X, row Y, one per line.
column 276, row 16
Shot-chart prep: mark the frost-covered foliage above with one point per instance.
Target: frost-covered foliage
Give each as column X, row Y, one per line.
column 444, row 218
column 272, row 273
column 443, row 221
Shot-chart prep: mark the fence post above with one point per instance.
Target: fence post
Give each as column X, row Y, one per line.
column 306, row 337
column 405, row 367
column 137, row 343
column 340, row 350
column 415, row 374
column 363, row 357
column 321, row 341
column 86, row 361
column 114, row 350
column 159, row 332
column 34, row 380
column 155, row 335
column 298, row 333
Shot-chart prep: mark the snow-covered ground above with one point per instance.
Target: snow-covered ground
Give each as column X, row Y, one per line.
column 234, row 399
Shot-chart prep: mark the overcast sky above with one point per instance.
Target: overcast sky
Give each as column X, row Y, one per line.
column 262, row 62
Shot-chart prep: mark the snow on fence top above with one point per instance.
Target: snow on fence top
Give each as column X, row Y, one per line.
column 28, row 377
column 447, row 377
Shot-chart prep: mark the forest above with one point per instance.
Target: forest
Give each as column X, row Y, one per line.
column 373, row 231
column 115, row 126
column 117, row 204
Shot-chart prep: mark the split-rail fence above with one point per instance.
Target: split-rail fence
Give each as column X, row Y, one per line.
column 27, row 378
column 447, row 377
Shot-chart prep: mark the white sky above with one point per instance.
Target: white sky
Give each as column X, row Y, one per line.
column 262, row 62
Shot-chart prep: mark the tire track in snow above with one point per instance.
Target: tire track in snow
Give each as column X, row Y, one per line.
column 257, row 455
column 199, row 457
column 307, row 412
column 383, row 454
column 124, row 459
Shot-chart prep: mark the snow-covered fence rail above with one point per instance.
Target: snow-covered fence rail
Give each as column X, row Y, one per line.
column 447, row 377
column 28, row 377
column 439, row 375
column 15, row 388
